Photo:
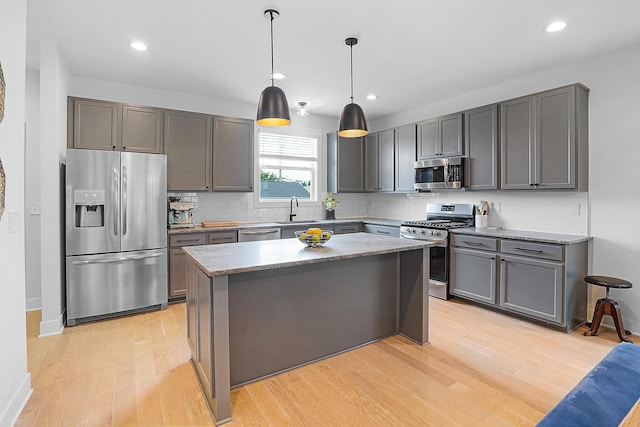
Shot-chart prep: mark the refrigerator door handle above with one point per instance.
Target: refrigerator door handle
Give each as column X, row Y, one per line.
column 124, row 200
column 115, row 200
column 116, row 260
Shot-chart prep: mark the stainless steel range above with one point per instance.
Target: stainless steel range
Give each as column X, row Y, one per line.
column 440, row 219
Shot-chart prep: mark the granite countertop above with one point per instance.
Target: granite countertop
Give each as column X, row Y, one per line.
column 232, row 258
column 300, row 223
column 533, row 236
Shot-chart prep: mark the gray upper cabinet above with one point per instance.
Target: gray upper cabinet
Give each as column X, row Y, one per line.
column 371, row 163
column 345, row 157
column 232, row 154
column 440, row 137
column 94, row 125
column 405, row 157
column 481, row 147
column 103, row 125
column 544, row 140
column 187, row 145
column 386, row 144
column 142, row 129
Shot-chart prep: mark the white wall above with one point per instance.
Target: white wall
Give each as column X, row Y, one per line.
column 609, row 210
column 32, row 192
column 54, row 77
column 15, row 382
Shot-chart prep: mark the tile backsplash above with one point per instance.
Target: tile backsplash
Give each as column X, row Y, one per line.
column 555, row 212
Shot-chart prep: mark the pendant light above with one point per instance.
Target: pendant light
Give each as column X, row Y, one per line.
column 352, row 121
column 273, row 108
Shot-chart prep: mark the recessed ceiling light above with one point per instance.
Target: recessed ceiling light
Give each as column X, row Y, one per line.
column 372, row 96
column 556, row 26
column 278, row 76
column 139, row 46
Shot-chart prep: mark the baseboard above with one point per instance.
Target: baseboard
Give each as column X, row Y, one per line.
column 52, row 327
column 34, row 304
column 17, row 403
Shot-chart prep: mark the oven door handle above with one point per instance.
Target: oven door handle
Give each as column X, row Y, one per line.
column 440, row 244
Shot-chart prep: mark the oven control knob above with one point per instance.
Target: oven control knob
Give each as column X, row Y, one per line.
column 435, row 233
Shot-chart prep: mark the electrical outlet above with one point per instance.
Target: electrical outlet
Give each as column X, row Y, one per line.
column 244, row 205
column 34, row 209
column 575, row 209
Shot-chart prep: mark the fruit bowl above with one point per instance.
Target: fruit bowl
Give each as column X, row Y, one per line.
column 312, row 238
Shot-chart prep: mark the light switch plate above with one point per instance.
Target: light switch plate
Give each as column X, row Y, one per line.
column 15, row 221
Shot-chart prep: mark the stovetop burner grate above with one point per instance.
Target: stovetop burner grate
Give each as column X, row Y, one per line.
column 441, row 224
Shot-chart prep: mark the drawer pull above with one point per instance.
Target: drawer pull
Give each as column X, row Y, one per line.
column 529, row 250
column 188, row 240
column 382, row 232
column 473, row 243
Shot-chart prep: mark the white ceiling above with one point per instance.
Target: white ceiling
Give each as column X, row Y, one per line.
column 410, row 52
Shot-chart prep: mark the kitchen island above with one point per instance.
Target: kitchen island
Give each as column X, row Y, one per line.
column 255, row 309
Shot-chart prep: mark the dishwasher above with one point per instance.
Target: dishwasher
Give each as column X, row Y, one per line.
column 251, row 235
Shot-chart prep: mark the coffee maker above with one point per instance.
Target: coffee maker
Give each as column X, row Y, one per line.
column 180, row 214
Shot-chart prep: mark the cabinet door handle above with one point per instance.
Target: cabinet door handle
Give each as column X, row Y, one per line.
column 529, row 250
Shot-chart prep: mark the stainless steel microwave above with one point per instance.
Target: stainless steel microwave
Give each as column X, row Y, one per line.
column 439, row 174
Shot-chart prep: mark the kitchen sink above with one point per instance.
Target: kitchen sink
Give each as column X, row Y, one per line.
column 301, row 221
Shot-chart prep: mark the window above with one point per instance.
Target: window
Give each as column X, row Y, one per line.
column 288, row 165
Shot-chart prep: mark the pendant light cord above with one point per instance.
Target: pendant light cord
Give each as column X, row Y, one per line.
column 272, row 78
column 352, row 74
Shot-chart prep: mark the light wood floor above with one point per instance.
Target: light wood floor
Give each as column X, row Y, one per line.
column 482, row 368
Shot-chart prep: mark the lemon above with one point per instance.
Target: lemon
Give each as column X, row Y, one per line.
column 314, row 231
column 326, row 235
column 317, row 238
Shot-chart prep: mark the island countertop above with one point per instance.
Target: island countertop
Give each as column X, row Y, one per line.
column 232, row 258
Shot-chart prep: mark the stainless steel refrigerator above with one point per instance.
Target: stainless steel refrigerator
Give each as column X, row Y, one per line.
column 116, row 233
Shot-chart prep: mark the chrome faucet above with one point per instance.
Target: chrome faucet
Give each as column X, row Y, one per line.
column 291, row 214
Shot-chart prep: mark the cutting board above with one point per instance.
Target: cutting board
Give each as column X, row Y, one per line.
column 219, row 223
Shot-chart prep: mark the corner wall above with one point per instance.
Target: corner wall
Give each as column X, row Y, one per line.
column 15, row 381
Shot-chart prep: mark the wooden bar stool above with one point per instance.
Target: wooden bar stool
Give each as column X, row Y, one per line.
column 608, row 306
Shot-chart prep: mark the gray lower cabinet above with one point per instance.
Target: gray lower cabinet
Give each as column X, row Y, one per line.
column 177, row 258
column 232, row 154
column 541, row 281
column 384, row 230
column 187, row 145
column 544, row 140
column 473, row 275
column 532, row 286
column 345, row 164
column 199, row 305
column 352, row 227
column 481, row 148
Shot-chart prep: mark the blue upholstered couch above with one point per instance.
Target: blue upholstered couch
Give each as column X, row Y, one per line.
column 605, row 395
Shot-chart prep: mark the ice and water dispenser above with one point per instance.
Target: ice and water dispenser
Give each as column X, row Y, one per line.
column 89, row 208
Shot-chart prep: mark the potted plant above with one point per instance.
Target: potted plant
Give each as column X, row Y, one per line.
column 330, row 204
